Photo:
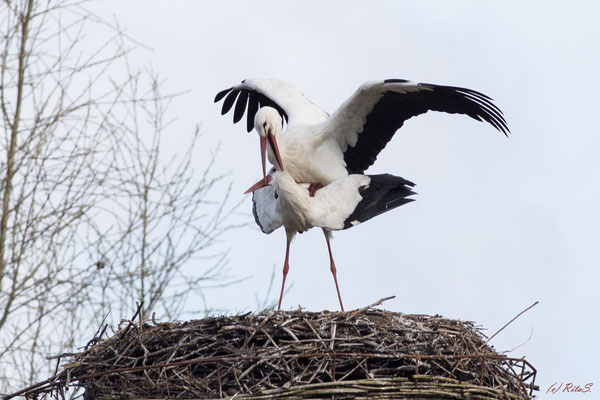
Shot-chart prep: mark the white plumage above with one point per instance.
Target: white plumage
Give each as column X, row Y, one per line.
column 318, row 148
column 286, row 203
column 342, row 204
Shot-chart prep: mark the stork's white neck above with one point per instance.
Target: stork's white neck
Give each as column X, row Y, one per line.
column 293, row 200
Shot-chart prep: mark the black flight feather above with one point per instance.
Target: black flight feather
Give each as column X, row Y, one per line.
column 222, row 94
column 253, row 99
column 384, row 193
column 394, row 108
column 229, row 100
column 240, row 106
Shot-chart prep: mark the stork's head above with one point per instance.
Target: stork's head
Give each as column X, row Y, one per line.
column 268, row 124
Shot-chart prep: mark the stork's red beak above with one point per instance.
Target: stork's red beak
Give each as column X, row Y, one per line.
column 270, row 138
column 262, row 183
column 273, row 142
column 263, row 156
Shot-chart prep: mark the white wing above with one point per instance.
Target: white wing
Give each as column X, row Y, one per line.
column 333, row 204
column 366, row 122
column 356, row 198
column 285, row 98
column 342, row 204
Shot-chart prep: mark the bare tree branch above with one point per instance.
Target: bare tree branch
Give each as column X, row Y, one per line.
column 94, row 216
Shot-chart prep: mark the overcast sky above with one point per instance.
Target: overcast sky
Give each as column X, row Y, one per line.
column 498, row 223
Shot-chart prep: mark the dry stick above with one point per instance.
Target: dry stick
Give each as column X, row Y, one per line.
column 61, row 355
column 96, row 338
column 57, row 366
column 359, row 365
column 509, row 322
column 123, row 353
column 315, row 332
column 139, row 307
column 522, row 344
column 38, row 385
column 333, row 330
column 219, row 380
column 140, row 314
column 257, row 329
column 360, row 310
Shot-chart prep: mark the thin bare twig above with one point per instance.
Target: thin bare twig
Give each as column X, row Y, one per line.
column 509, row 322
column 361, row 310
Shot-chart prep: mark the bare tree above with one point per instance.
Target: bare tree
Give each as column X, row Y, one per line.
column 161, row 217
column 93, row 217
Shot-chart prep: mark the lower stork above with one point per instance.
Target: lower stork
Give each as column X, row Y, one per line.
column 279, row 201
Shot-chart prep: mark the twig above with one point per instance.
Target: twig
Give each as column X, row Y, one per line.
column 96, row 338
column 360, row 310
column 61, row 355
column 333, row 330
column 140, row 314
column 509, row 322
column 34, row 387
column 522, row 344
column 219, row 380
column 139, row 307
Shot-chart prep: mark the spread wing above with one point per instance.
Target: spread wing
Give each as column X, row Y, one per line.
column 252, row 94
column 366, row 122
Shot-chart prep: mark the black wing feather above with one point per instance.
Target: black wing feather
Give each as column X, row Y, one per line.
column 229, row 100
column 252, row 110
column 252, row 98
column 385, row 192
column 240, row 106
column 393, row 109
column 222, row 94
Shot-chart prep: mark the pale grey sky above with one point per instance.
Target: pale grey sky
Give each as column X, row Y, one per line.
column 498, row 223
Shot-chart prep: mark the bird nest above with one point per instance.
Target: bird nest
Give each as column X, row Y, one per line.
column 367, row 353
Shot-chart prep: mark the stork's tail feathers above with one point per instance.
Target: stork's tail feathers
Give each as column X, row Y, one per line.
column 383, row 193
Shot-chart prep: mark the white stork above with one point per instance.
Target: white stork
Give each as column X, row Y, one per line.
column 319, row 148
column 279, row 201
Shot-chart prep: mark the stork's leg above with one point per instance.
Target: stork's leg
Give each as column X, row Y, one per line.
column 332, row 265
column 286, row 265
column 313, row 187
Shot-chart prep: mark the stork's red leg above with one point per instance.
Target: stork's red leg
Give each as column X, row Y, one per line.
column 313, row 187
column 286, row 267
column 333, row 269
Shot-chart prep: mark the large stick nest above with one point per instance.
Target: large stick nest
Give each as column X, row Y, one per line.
column 278, row 355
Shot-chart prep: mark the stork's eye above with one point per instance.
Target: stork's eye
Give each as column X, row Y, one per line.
column 276, row 195
column 265, row 124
